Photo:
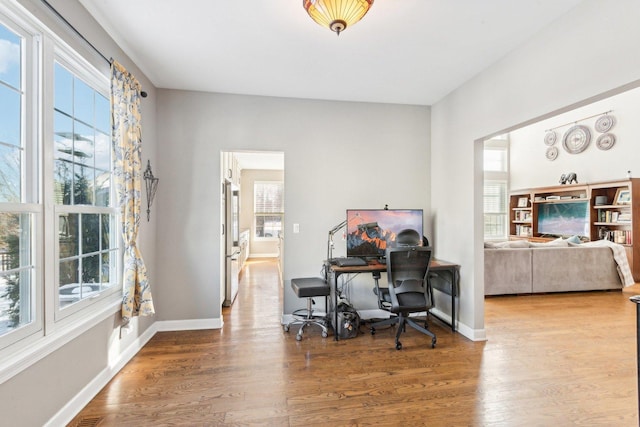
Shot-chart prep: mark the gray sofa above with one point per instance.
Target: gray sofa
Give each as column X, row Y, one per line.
column 534, row 268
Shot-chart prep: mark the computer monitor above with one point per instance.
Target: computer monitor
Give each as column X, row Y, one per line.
column 371, row 231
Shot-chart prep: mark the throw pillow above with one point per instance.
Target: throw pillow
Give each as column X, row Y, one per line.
column 574, row 239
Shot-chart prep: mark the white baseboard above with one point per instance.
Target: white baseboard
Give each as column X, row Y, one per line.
column 80, row 400
column 188, row 325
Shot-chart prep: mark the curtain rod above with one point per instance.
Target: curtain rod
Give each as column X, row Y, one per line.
column 576, row 121
column 95, row 49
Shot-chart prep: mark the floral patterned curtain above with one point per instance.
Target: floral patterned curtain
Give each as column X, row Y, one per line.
column 127, row 147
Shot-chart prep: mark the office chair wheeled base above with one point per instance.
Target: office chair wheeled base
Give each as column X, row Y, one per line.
column 404, row 321
column 305, row 317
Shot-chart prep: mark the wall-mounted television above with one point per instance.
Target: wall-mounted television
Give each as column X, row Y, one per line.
column 371, row 231
column 564, row 218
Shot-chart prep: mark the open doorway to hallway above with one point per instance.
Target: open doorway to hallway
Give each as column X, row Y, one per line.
column 252, row 215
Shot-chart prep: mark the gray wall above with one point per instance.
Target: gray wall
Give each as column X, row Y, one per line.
column 337, row 155
column 35, row 395
column 591, row 51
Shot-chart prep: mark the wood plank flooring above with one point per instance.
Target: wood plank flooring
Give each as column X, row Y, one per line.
column 550, row 360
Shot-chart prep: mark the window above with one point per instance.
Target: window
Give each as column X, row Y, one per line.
column 496, row 172
column 19, row 313
column 268, row 208
column 87, row 255
column 56, row 193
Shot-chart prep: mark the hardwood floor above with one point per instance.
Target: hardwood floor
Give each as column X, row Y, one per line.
column 550, row 360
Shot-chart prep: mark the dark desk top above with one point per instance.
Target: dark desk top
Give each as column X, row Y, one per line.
column 373, row 266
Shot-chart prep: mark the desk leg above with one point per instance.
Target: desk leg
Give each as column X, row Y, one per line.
column 454, row 287
column 335, row 306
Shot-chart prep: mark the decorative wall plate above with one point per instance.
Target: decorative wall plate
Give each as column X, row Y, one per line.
column 605, row 141
column 576, row 139
column 550, row 138
column 552, row 153
column 605, row 123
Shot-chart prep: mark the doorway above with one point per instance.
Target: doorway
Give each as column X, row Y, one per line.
column 243, row 228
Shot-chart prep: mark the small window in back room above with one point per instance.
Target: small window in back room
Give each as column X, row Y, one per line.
column 496, row 177
column 268, row 208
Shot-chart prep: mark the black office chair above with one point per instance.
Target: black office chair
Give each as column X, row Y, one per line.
column 409, row 291
column 405, row 238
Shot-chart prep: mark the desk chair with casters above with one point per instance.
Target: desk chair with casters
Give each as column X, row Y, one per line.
column 405, row 238
column 409, row 290
column 309, row 288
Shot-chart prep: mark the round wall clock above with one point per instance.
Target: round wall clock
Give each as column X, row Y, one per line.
column 605, row 141
column 552, row 153
column 550, row 138
column 605, row 123
column 576, row 139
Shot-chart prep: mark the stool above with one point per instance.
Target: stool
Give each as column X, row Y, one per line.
column 308, row 288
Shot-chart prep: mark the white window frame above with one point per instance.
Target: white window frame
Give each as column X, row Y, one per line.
column 256, row 214
column 24, row 346
column 86, row 72
column 500, row 177
column 29, row 191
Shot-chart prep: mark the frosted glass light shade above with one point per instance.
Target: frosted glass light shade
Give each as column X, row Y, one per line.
column 337, row 15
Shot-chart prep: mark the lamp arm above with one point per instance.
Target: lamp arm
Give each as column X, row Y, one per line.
column 333, row 231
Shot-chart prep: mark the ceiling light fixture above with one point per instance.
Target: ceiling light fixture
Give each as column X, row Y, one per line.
column 337, row 15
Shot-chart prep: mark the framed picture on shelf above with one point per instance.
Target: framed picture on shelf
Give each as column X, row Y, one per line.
column 623, row 196
column 523, row 202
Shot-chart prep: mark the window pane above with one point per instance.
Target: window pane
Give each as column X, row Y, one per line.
column 69, row 238
column 86, row 178
column 495, row 160
column 83, row 103
column 105, row 241
column 16, row 270
column 90, row 233
column 82, row 144
column 10, row 112
column 69, row 289
column 10, row 179
column 103, row 114
column 10, row 54
column 268, row 226
column 91, row 270
column 63, row 90
column 102, row 151
column 82, row 185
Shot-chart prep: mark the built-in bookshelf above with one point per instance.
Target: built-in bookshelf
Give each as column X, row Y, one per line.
column 613, row 210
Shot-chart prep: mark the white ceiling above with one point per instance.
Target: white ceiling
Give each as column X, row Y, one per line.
column 402, row 51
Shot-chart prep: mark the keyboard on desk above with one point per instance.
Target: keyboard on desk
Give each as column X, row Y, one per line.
column 349, row 262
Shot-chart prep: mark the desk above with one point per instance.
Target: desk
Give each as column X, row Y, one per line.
column 436, row 268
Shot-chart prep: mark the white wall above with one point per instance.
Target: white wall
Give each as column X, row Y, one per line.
column 337, row 155
column 530, row 167
column 36, row 394
column 588, row 52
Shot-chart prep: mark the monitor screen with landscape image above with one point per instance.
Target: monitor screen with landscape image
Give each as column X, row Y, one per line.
column 371, row 231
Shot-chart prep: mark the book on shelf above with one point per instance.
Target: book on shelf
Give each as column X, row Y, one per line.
column 618, row 236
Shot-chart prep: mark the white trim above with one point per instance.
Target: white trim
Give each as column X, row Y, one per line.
column 80, row 400
column 188, row 325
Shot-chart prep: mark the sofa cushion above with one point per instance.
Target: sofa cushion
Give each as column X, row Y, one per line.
column 507, row 271
column 558, row 243
column 577, row 268
column 511, row 244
